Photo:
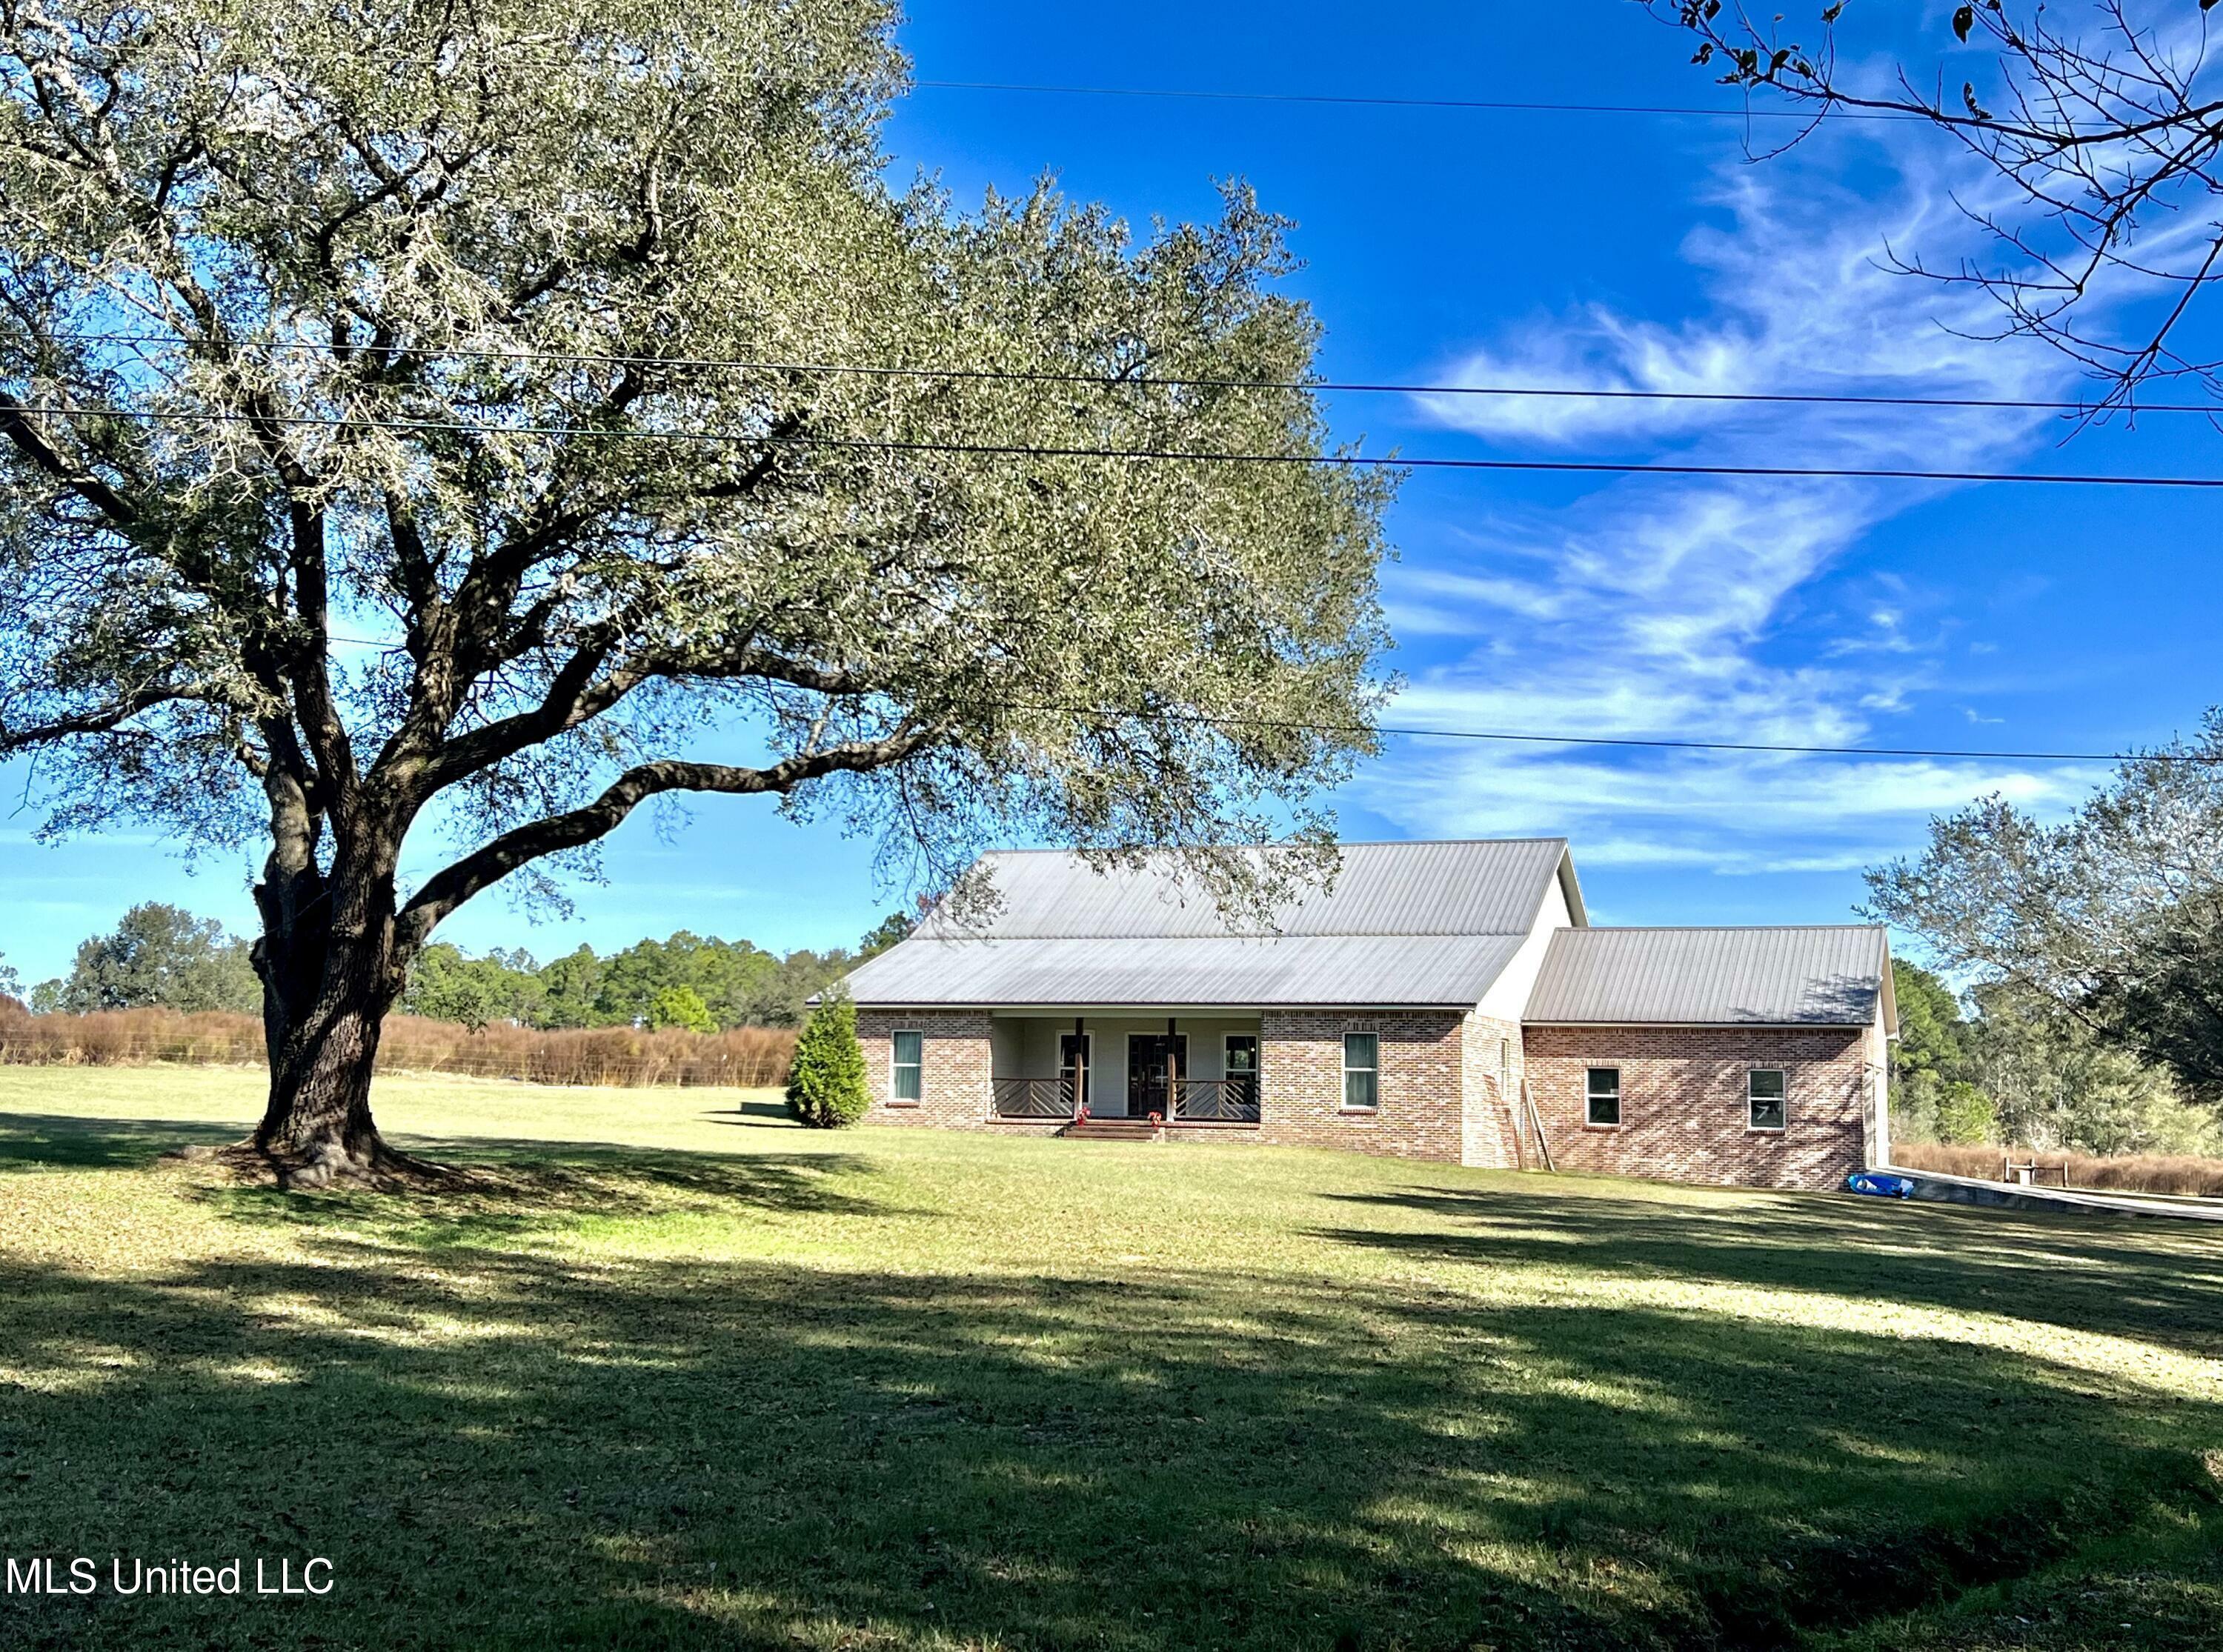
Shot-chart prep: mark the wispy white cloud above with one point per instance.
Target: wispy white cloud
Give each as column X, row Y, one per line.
column 1683, row 608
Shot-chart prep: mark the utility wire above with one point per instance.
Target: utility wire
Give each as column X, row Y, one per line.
column 1115, row 381
column 1495, row 105
column 476, row 53
column 1775, row 748
column 1023, row 450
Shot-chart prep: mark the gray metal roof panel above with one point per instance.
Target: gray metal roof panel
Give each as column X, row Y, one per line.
column 1817, row 975
column 1188, row 970
column 1486, row 887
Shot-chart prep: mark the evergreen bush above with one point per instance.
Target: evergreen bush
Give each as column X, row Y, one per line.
column 826, row 1084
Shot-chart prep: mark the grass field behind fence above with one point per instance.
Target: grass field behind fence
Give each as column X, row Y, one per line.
column 745, row 1056
column 685, row 1376
column 2127, row 1173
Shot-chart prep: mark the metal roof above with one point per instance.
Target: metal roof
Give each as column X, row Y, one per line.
column 1402, row 923
column 1483, row 888
column 1110, row 972
column 1812, row 975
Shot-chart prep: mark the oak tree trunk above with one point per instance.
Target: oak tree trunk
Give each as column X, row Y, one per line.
column 329, row 977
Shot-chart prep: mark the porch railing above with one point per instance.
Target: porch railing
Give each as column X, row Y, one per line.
column 1216, row 1100
column 1195, row 1101
column 1033, row 1098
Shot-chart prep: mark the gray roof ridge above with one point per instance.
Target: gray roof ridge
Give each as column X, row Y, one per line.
column 1709, row 929
column 1342, row 843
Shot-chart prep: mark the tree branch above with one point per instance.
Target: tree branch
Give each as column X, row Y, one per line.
column 109, row 718
column 448, row 888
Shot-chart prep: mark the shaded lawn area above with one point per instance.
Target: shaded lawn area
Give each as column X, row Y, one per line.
column 690, row 1377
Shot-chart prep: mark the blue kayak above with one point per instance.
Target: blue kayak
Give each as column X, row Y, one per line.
column 1878, row 1185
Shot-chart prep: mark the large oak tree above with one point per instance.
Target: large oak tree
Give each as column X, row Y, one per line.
column 416, row 431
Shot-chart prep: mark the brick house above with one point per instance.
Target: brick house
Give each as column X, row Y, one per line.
column 1440, row 1001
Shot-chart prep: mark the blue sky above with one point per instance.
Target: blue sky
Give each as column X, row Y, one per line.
column 1449, row 246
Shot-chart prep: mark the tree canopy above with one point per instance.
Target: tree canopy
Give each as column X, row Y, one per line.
column 433, row 424
column 159, row 957
column 2113, row 917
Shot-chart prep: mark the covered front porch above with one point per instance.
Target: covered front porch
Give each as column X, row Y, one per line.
column 1197, row 1069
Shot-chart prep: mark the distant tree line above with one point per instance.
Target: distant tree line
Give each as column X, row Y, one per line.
column 2006, row 1066
column 162, row 956
column 2094, row 952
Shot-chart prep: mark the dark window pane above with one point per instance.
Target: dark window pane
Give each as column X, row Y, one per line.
column 1358, row 1088
column 1601, row 1094
column 1767, row 1092
column 909, row 1056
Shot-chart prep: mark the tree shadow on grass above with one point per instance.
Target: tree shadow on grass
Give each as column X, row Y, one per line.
column 36, row 1142
column 507, row 1191
column 2133, row 1276
column 515, row 1450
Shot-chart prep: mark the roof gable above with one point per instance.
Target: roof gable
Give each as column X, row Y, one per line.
column 1479, row 888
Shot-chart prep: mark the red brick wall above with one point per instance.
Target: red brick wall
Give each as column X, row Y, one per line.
column 1423, row 1058
column 1683, row 1102
column 953, row 1088
column 1490, row 1137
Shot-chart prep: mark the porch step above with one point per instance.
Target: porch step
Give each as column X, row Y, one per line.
column 1112, row 1130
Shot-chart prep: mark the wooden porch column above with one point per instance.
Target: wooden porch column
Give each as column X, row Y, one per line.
column 1173, row 1070
column 1079, row 1063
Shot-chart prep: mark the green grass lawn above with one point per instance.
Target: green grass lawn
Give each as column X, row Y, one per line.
column 690, row 1377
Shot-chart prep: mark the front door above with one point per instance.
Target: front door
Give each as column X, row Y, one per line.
column 1151, row 1059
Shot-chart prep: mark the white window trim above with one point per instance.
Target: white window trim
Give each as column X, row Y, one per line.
column 1344, row 1103
column 1752, row 1129
column 1620, row 1095
column 894, row 1066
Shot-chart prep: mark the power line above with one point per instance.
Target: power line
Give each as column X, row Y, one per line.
column 475, row 53
column 1771, row 748
column 1022, row 451
column 1115, row 381
column 1488, row 104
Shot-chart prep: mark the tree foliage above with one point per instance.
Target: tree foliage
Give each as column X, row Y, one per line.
column 2097, row 123
column 1931, row 1053
column 2051, row 1081
column 682, row 1008
column 447, row 985
column 160, row 957
column 826, row 1086
column 2114, row 917
column 382, row 462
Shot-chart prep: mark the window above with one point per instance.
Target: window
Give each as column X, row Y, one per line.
column 1239, row 1063
column 910, row 1065
column 1602, row 1095
column 1362, row 1063
column 1763, row 1095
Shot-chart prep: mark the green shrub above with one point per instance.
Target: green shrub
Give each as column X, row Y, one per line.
column 826, row 1085
column 683, row 1007
column 1966, row 1115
